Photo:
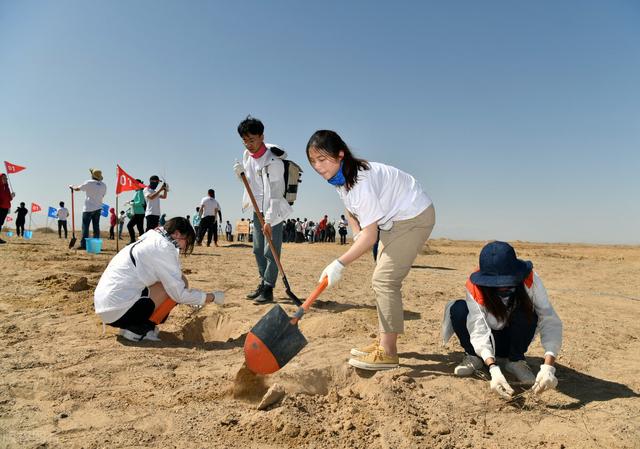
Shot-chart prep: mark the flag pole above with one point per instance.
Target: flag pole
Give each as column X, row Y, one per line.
column 117, row 226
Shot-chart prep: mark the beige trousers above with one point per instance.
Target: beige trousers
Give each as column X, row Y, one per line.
column 397, row 250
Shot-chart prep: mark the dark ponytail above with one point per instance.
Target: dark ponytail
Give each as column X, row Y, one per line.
column 331, row 144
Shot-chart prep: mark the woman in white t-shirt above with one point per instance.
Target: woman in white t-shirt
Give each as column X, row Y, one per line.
column 144, row 281
column 377, row 197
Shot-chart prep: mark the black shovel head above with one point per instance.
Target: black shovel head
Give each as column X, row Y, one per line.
column 72, row 241
column 272, row 342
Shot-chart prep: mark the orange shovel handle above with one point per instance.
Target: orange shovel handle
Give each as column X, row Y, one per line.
column 162, row 311
column 310, row 300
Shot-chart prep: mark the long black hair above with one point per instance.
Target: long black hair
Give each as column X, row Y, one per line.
column 496, row 307
column 183, row 226
column 331, row 144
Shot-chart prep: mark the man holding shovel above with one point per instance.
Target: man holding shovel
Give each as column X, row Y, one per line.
column 95, row 190
column 264, row 171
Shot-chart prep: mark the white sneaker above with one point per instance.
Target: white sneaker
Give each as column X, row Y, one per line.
column 152, row 335
column 469, row 364
column 128, row 335
column 521, row 370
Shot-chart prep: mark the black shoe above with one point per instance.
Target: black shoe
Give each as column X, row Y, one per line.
column 266, row 295
column 254, row 294
column 2, row 241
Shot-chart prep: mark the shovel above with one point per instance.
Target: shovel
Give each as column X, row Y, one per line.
column 290, row 294
column 73, row 222
column 276, row 339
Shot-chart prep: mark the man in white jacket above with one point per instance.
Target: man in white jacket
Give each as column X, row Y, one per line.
column 145, row 274
column 264, row 168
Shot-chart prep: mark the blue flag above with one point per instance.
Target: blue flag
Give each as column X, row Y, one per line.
column 105, row 210
column 53, row 212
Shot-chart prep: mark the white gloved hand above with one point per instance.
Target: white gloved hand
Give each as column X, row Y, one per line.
column 238, row 168
column 218, row 297
column 333, row 273
column 499, row 384
column 545, row 380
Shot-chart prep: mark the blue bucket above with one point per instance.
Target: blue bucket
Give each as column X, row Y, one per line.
column 28, row 234
column 9, row 233
column 93, row 246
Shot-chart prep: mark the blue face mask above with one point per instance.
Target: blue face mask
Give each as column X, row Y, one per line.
column 338, row 178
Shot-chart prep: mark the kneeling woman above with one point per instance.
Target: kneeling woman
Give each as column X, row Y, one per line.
column 144, row 281
column 377, row 197
column 506, row 305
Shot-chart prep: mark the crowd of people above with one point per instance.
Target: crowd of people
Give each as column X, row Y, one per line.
column 387, row 210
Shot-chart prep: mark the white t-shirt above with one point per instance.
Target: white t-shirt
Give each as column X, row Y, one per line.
column 62, row 214
column 384, row 194
column 95, row 191
column 153, row 205
column 209, row 206
column 157, row 260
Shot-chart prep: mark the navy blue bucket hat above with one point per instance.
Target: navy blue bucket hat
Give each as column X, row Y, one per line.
column 499, row 266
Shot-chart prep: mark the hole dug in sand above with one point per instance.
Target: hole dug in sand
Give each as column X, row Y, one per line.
column 214, row 327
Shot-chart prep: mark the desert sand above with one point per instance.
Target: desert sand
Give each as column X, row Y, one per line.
column 65, row 384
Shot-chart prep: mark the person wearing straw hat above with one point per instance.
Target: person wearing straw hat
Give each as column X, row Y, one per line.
column 95, row 190
column 378, row 199
column 505, row 307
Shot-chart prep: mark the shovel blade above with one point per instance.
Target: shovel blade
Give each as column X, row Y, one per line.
column 272, row 342
column 72, row 242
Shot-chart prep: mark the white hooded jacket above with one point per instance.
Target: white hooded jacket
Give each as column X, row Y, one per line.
column 266, row 179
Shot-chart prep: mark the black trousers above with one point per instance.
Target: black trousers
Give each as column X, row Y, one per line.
column 3, row 215
column 153, row 221
column 62, row 224
column 137, row 317
column 208, row 226
column 20, row 227
column 137, row 221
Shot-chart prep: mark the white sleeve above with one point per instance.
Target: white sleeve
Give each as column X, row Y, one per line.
column 278, row 205
column 366, row 204
column 83, row 186
column 549, row 322
column 166, row 265
column 479, row 330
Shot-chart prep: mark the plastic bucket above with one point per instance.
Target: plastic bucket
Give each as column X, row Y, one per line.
column 9, row 233
column 94, row 246
column 28, row 234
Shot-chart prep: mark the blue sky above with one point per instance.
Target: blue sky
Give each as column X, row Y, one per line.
column 521, row 120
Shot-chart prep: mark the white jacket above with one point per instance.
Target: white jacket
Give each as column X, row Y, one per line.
column 157, row 260
column 266, row 179
column 480, row 322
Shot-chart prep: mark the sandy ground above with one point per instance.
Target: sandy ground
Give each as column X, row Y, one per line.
column 65, row 384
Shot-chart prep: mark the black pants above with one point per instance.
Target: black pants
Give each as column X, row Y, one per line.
column 3, row 215
column 20, row 227
column 112, row 233
column 153, row 221
column 137, row 221
column 62, row 224
column 208, row 226
column 137, row 317
column 512, row 341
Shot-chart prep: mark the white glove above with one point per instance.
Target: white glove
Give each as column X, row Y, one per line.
column 333, row 273
column 545, row 380
column 218, row 297
column 238, row 168
column 499, row 384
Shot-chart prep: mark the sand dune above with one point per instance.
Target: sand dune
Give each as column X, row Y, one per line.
column 65, row 384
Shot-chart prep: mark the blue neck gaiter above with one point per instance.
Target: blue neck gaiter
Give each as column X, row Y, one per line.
column 338, row 178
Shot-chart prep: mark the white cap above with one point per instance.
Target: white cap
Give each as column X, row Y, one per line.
column 218, row 297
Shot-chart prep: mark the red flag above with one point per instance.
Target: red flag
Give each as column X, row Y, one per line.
column 13, row 168
column 126, row 182
column 9, row 218
column 35, row 207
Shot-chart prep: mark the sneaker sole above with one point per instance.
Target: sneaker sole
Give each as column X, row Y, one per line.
column 372, row 366
column 357, row 353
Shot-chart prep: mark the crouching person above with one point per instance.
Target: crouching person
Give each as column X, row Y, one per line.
column 144, row 281
column 505, row 306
